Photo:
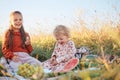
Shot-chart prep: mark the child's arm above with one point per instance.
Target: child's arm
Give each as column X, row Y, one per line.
column 28, row 43
column 55, row 49
column 53, row 57
column 8, row 54
column 53, row 60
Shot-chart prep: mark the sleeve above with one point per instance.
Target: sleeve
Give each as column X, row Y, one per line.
column 8, row 54
column 55, row 50
column 29, row 47
column 69, row 53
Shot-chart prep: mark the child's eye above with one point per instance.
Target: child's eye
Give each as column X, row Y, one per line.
column 20, row 19
column 15, row 19
column 61, row 39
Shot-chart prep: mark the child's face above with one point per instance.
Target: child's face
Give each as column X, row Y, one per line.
column 16, row 21
column 62, row 39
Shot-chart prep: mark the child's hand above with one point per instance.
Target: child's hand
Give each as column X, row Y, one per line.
column 15, row 59
column 53, row 60
column 27, row 42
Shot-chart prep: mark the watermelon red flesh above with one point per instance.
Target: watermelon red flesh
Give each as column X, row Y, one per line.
column 71, row 64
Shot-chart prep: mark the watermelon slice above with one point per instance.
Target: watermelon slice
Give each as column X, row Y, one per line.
column 70, row 64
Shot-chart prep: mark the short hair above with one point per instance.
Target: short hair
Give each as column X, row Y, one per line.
column 61, row 29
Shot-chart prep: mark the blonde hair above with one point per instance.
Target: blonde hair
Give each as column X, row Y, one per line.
column 61, row 29
column 12, row 14
column 15, row 12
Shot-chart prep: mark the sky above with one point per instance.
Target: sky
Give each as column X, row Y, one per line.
column 44, row 15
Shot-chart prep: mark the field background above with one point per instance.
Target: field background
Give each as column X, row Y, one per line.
column 93, row 23
column 108, row 36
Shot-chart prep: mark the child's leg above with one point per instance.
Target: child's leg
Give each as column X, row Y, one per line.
column 46, row 64
column 33, row 61
column 14, row 65
column 26, row 58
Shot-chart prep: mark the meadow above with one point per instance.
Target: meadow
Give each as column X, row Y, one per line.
column 108, row 37
column 103, row 41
